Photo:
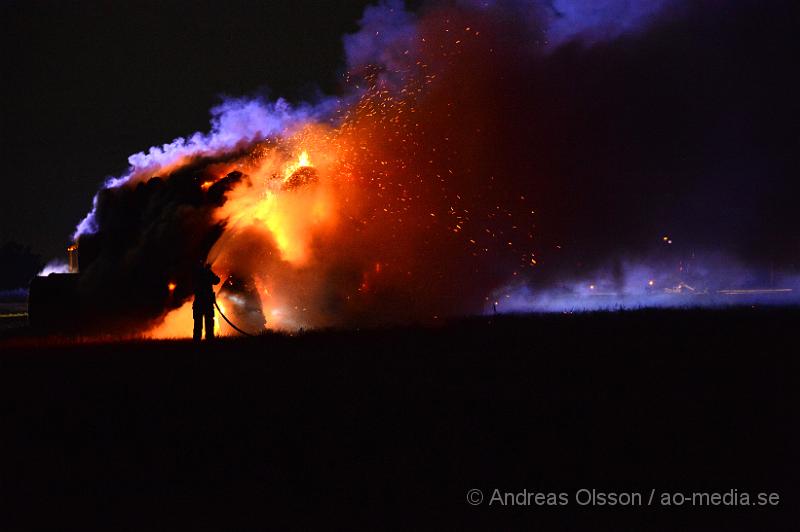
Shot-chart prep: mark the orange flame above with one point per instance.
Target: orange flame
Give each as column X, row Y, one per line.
column 303, row 161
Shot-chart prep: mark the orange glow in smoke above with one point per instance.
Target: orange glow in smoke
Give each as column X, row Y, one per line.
column 284, row 219
column 375, row 214
column 176, row 324
column 291, row 217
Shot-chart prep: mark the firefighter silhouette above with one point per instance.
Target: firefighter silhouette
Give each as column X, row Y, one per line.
column 203, row 306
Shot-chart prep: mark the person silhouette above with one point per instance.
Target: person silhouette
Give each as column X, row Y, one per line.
column 204, row 298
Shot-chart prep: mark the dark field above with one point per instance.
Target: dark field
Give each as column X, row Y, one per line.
column 389, row 429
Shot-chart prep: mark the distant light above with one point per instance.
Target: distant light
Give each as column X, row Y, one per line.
column 171, row 287
column 591, row 287
column 651, row 282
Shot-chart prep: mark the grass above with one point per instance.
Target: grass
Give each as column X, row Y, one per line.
column 387, row 429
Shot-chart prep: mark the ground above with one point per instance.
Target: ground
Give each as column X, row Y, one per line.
column 389, row 429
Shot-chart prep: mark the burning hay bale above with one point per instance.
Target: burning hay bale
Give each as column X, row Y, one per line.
column 454, row 163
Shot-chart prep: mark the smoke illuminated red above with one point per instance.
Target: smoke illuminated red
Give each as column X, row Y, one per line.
column 467, row 152
column 368, row 218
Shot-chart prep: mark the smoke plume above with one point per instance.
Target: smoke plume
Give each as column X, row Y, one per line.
column 474, row 146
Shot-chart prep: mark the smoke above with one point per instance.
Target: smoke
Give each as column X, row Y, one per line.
column 234, row 123
column 602, row 20
column 552, row 23
column 701, row 281
column 54, row 266
column 475, row 145
column 387, row 32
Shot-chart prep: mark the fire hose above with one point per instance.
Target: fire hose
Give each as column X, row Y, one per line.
column 229, row 322
column 224, row 317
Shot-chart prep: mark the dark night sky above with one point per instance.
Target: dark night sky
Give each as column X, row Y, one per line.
column 86, row 84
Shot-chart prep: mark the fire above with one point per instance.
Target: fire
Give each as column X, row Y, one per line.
column 290, row 217
column 179, row 324
column 374, row 214
column 217, row 319
column 72, row 254
column 282, row 221
column 412, row 193
column 324, row 221
column 303, row 161
column 176, row 324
